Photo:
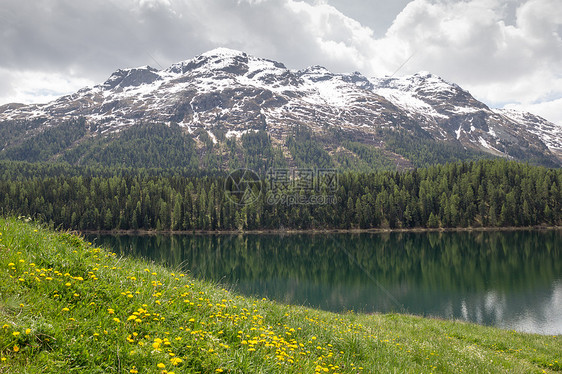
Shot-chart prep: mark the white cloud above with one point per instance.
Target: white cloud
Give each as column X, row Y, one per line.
column 36, row 87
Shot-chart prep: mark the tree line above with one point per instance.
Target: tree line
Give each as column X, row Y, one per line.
column 486, row 193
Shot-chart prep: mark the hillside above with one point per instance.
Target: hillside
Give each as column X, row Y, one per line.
column 67, row 306
column 215, row 106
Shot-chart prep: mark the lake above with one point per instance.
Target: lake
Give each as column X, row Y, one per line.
column 508, row 279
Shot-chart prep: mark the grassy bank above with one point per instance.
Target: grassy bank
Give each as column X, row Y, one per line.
column 66, row 306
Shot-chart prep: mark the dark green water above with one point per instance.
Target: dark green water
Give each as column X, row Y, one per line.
column 511, row 280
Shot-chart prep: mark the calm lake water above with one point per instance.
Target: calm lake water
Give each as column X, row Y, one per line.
column 511, row 280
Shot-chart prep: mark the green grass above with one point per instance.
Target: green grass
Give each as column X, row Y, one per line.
column 66, row 306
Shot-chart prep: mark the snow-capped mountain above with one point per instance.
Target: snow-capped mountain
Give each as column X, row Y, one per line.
column 448, row 112
column 231, row 92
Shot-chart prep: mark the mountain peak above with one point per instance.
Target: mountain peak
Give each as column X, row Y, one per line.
column 223, row 52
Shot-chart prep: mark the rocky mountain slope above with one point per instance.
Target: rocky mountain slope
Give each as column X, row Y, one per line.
column 224, row 94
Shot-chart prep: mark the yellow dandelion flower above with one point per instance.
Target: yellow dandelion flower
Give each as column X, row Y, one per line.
column 27, row 331
column 16, row 348
column 161, row 366
column 65, row 309
column 133, row 370
column 176, row 361
column 15, row 333
column 116, row 320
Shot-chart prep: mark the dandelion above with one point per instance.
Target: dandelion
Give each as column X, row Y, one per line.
column 15, row 333
column 116, row 320
column 133, row 370
column 176, row 361
column 65, row 309
column 27, row 331
column 161, row 366
column 16, row 348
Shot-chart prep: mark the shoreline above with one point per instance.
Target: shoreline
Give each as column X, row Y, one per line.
column 316, row 231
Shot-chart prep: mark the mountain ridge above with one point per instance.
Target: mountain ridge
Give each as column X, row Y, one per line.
column 227, row 93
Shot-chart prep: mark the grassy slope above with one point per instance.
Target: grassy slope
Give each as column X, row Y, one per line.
column 68, row 307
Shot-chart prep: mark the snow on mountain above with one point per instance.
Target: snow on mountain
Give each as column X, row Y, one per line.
column 228, row 91
column 548, row 132
column 448, row 112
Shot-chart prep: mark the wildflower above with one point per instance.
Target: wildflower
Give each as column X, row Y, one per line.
column 16, row 348
column 27, row 331
column 15, row 333
column 65, row 309
column 116, row 320
column 176, row 361
column 161, row 366
column 133, row 370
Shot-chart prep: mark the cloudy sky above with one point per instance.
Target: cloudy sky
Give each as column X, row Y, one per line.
column 507, row 53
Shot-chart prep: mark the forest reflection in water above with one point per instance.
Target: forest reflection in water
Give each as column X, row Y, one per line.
column 509, row 279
